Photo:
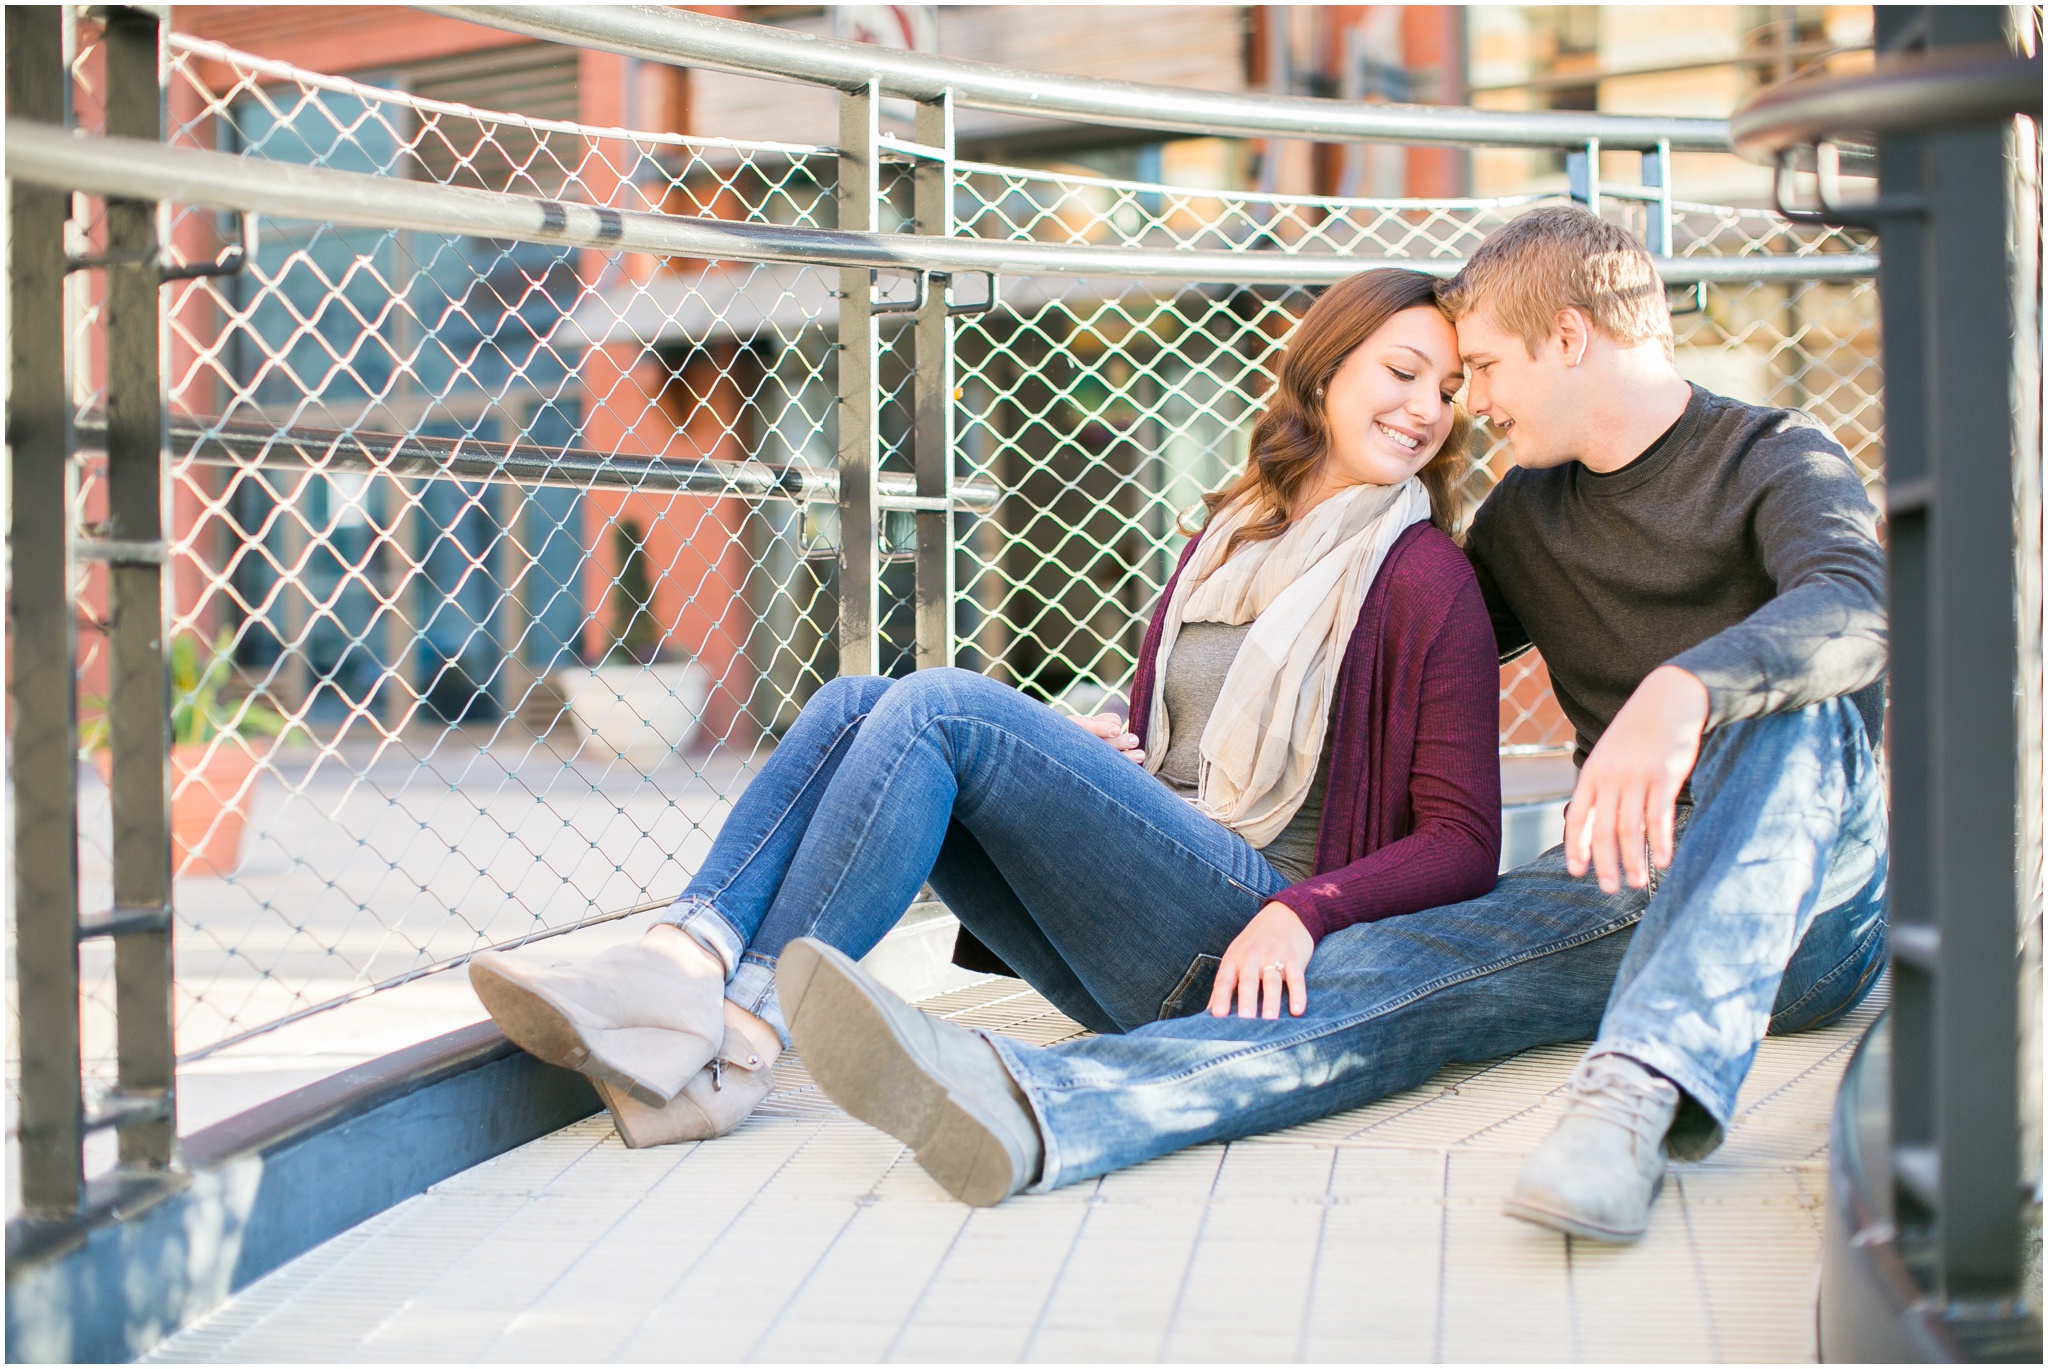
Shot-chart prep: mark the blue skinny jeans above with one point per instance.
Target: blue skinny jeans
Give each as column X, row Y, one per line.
column 1093, row 880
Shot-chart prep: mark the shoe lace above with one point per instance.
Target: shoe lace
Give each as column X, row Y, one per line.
column 1616, row 1096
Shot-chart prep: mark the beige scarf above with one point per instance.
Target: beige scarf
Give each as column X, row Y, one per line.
column 1301, row 592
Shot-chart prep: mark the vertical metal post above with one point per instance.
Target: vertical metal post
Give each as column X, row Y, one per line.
column 859, row 342
column 1948, row 368
column 1582, row 174
column 1657, row 176
column 1908, row 377
column 139, row 699
column 1974, row 660
column 932, row 198
column 43, row 744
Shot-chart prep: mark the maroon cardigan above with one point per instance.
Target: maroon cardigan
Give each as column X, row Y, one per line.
column 1411, row 817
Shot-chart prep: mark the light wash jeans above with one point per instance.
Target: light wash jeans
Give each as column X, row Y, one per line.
column 1771, row 917
column 1096, row 882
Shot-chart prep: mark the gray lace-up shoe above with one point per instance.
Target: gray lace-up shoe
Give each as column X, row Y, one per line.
column 1599, row 1171
column 939, row 1088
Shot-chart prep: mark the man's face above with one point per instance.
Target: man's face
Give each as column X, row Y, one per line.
column 1525, row 398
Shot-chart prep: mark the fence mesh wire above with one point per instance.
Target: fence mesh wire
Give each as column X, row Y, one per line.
column 425, row 715
column 1107, row 407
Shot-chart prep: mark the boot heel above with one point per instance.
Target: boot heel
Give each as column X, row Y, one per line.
column 630, row 1018
column 714, row 1102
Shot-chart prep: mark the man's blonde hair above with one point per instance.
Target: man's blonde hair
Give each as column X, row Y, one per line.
column 1555, row 258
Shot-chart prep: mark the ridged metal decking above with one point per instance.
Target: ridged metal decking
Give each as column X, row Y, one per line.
column 1373, row 1235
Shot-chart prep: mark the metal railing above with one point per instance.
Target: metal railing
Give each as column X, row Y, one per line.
column 529, row 475
column 1937, row 1170
column 660, row 34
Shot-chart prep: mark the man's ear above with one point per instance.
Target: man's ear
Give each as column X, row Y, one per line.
column 1574, row 334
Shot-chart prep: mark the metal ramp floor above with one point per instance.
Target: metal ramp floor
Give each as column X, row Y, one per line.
column 1373, row 1235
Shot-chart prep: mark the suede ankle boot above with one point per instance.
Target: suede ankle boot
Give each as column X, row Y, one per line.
column 636, row 1018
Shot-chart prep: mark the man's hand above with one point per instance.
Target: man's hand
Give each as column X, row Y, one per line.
column 1628, row 788
column 1272, row 951
column 1110, row 728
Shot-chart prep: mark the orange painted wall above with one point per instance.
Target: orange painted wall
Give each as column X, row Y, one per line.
column 338, row 39
column 1431, row 40
column 696, row 555
column 635, row 402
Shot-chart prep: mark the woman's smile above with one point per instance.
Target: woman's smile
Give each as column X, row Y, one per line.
column 1400, row 437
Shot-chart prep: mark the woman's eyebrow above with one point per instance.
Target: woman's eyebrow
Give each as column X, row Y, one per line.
column 1402, row 346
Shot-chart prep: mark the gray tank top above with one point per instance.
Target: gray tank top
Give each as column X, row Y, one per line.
column 1194, row 677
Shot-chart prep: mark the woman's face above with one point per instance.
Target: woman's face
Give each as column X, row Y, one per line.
column 1389, row 404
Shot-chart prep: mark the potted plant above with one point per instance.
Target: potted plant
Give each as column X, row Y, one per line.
column 641, row 700
column 210, row 764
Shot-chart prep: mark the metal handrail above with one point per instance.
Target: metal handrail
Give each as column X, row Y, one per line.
column 681, row 38
column 1907, row 93
column 133, row 169
column 417, row 456
column 241, row 60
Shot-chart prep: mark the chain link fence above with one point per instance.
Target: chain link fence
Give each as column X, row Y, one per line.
column 1106, row 408
column 425, row 708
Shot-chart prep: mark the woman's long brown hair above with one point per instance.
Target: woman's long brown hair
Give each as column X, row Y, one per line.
column 1291, row 441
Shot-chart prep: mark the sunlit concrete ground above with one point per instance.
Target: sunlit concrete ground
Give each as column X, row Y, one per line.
column 1373, row 1235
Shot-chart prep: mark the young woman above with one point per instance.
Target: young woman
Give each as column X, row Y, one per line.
column 1311, row 744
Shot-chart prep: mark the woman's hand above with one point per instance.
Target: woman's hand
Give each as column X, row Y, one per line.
column 1110, row 728
column 1273, row 950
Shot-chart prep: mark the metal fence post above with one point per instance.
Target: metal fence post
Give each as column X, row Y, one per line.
column 139, row 696
column 42, row 704
column 1582, row 174
column 1659, row 218
column 932, row 204
column 1955, row 740
column 859, row 342
column 1903, row 310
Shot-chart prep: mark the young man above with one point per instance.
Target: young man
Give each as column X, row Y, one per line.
column 1704, row 581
